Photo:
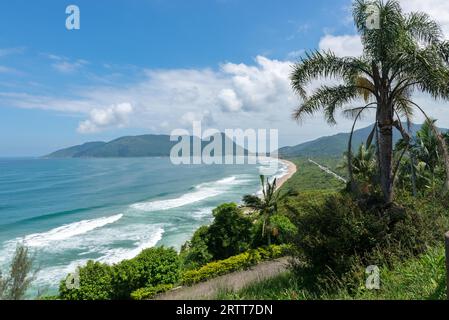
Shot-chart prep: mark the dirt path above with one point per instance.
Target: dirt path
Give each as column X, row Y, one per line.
column 230, row 282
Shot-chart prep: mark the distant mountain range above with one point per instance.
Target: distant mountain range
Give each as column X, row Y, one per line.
column 160, row 146
column 337, row 144
column 131, row 146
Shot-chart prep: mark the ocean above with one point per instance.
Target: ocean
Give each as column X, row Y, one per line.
column 69, row 211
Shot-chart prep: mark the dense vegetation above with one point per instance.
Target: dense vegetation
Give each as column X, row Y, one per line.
column 99, row 281
column 230, row 243
column 392, row 213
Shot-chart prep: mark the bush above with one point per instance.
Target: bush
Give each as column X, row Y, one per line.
column 230, row 233
column 282, row 231
column 95, row 280
column 339, row 238
column 195, row 253
column 99, row 281
column 235, row 263
column 150, row 292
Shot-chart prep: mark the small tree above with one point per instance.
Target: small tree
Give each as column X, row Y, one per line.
column 17, row 282
column 266, row 206
column 230, row 233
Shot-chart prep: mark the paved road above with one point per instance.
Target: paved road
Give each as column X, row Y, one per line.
column 230, row 282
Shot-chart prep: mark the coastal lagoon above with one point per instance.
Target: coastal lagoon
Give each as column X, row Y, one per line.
column 68, row 211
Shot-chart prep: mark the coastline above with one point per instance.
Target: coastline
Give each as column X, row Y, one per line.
column 291, row 170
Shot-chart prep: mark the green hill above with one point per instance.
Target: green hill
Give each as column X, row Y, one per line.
column 131, row 146
column 75, row 150
column 334, row 145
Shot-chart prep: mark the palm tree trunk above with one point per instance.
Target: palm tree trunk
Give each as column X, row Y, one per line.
column 385, row 123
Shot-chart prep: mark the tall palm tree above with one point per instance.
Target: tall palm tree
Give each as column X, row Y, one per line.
column 266, row 206
column 406, row 54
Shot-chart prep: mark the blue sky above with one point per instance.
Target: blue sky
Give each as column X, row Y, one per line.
column 149, row 66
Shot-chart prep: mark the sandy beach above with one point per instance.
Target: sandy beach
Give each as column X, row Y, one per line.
column 290, row 172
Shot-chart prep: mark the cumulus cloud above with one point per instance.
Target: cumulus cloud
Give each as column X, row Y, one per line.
column 204, row 117
column 255, row 87
column 228, row 100
column 114, row 116
column 343, row 45
column 256, row 95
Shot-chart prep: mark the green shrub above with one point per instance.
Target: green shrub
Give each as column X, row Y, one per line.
column 282, row 231
column 235, row 263
column 95, row 280
column 195, row 253
column 342, row 236
column 150, row 292
column 158, row 266
column 98, row 281
column 230, row 233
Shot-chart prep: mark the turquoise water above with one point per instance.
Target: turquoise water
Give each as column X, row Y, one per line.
column 71, row 210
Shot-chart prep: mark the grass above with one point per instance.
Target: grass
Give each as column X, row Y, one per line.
column 423, row 278
column 309, row 177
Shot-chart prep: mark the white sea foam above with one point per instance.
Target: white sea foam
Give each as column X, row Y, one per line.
column 268, row 162
column 202, row 191
column 144, row 236
column 68, row 231
column 116, row 255
column 202, row 213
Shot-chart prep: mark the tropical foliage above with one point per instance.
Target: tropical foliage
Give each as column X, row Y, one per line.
column 100, row 281
column 406, row 54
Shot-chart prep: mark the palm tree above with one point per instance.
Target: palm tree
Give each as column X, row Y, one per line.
column 406, row 54
column 426, row 146
column 426, row 155
column 266, row 206
column 364, row 163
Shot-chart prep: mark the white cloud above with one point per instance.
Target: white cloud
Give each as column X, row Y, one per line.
column 260, row 86
column 204, row 117
column 114, row 116
column 229, row 101
column 437, row 9
column 256, row 95
column 343, row 45
column 66, row 65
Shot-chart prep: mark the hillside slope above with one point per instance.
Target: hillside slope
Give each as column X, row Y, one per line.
column 132, row 146
column 334, row 145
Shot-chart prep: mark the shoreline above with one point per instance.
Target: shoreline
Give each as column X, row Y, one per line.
column 291, row 170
